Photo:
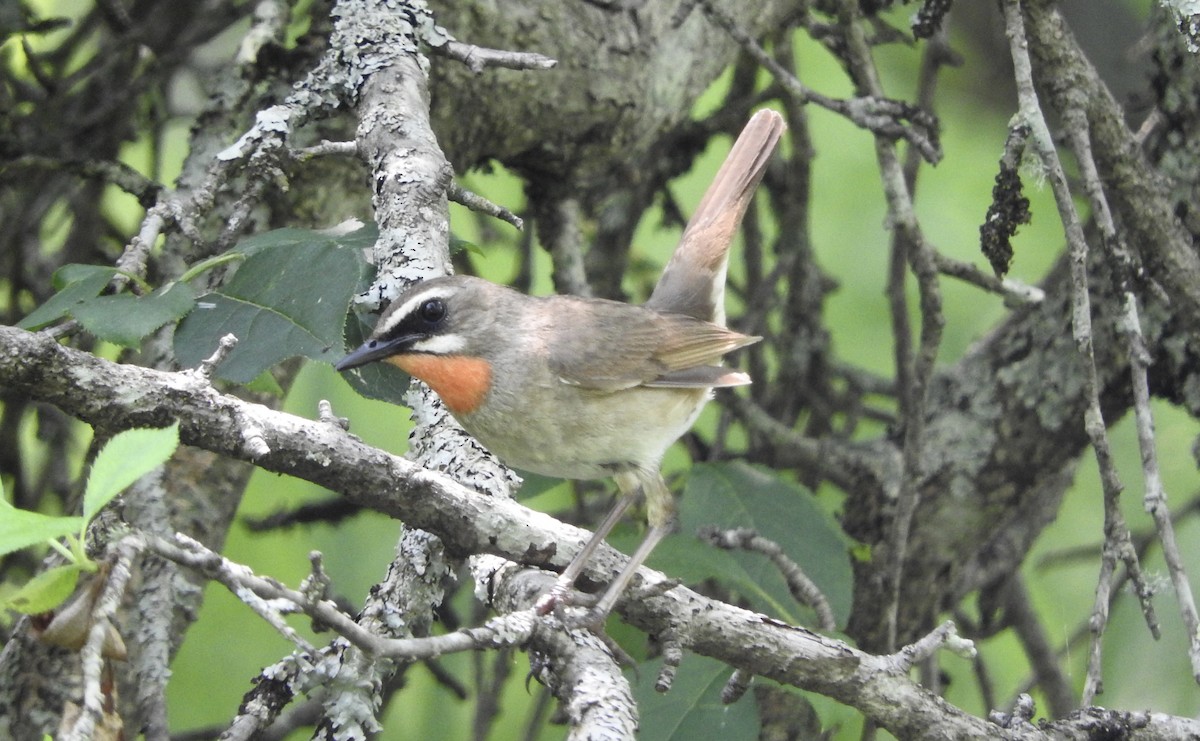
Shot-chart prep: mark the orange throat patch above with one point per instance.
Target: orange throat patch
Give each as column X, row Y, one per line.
column 462, row 382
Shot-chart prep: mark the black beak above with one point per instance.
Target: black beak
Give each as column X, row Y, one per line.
column 373, row 350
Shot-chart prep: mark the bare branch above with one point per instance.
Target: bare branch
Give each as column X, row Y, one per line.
column 1117, row 539
column 945, row 636
column 93, row 708
column 325, row 148
column 121, row 396
column 878, row 114
column 803, row 589
column 476, row 58
column 1012, row 290
column 558, row 222
column 576, row 664
column 478, row 203
column 1155, row 498
column 913, row 393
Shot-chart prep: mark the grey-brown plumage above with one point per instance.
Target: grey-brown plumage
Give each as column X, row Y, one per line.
column 587, row 388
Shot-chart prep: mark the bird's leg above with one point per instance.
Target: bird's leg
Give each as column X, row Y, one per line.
column 566, row 580
column 660, row 512
column 660, row 506
column 598, row 613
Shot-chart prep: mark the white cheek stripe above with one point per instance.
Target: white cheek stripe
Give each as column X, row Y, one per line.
column 389, row 321
column 446, row 344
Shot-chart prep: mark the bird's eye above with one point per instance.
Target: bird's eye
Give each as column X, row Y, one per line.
column 433, row 310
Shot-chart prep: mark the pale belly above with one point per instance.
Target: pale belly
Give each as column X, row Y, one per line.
column 589, row 434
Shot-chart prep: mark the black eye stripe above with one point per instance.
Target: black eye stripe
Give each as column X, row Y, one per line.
column 419, row 314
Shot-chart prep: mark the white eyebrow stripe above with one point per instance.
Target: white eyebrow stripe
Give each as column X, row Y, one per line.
column 442, row 344
column 391, row 318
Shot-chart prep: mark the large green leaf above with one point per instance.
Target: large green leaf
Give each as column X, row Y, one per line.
column 125, row 458
column 732, row 495
column 693, row 708
column 20, row 528
column 75, row 284
column 125, row 319
column 360, row 237
column 288, row 298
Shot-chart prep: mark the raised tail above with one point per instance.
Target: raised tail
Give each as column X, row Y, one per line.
column 693, row 282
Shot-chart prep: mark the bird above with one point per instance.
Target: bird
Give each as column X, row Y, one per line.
column 587, row 388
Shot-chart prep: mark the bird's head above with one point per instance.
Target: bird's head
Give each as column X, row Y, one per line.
column 438, row 331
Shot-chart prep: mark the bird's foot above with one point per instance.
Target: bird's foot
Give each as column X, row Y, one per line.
column 568, row 606
column 559, row 596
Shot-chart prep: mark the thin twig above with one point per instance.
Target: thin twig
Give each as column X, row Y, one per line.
column 1155, row 498
column 478, row 57
column 873, row 112
column 845, row 464
column 478, row 203
column 110, row 172
column 945, row 636
column 1142, row 542
column 325, row 148
column 1013, row 291
column 209, row 365
column 1117, row 544
column 803, row 589
column 270, row 598
column 91, row 655
column 1027, row 624
column 1020, row 718
column 902, row 219
column 736, row 686
column 672, row 655
column 133, row 259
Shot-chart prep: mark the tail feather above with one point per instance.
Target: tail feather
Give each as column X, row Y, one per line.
column 693, row 282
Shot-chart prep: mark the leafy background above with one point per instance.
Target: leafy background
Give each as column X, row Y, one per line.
column 227, row 646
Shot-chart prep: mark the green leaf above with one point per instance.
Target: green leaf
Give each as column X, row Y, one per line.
column 75, row 284
column 731, row 495
column 126, row 458
column 126, row 319
column 361, row 238
column 265, row 383
column 458, row 245
column 21, row 529
column 693, row 708
column 47, row 590
column 288, row 298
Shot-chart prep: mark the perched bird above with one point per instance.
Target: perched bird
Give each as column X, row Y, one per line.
column 584, row 388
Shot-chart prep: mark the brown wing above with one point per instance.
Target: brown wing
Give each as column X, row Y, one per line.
column 608, row 346
column 689, row 342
